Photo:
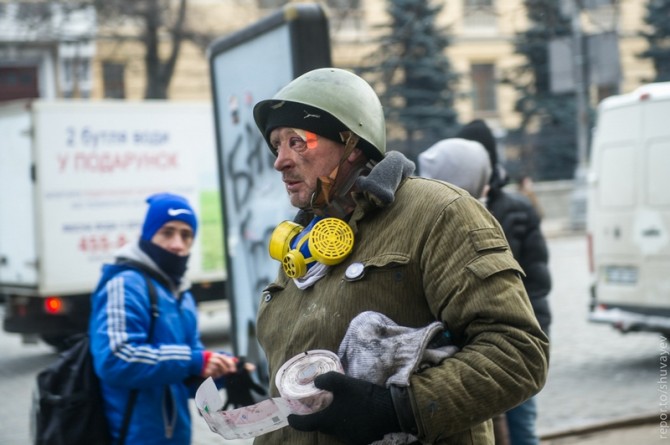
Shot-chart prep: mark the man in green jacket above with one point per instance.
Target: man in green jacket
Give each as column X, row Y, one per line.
column 420, row 251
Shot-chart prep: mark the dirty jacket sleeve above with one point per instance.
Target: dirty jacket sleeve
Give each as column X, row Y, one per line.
column 521, row 225
column 472, row 283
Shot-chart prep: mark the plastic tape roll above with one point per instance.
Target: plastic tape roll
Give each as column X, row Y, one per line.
column 295, row 380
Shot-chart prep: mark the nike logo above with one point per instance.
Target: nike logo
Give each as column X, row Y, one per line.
column 177, row 212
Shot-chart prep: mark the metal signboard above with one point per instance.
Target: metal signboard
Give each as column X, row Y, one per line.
column 246, row 67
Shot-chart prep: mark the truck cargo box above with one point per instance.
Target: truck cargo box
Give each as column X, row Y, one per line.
column 74, row 176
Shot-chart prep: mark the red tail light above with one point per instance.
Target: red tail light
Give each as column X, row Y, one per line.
column 53, row 305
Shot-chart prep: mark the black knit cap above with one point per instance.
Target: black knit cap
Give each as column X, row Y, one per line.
column 297, row 115
column 478, row 131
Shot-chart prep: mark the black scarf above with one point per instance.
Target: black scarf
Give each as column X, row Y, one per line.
column 174, row 266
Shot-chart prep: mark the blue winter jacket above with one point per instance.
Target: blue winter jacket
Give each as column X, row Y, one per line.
column 125, row 359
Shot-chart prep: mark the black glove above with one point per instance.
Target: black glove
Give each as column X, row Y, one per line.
column 361, row 412
column 239, row 386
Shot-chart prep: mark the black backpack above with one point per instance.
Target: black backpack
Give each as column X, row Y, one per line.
column 68, row 408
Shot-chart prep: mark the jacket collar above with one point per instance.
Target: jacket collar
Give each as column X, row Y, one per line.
column 380, row 185
column 375, row 190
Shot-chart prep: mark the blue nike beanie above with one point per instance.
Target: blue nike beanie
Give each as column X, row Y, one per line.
column 164, row 207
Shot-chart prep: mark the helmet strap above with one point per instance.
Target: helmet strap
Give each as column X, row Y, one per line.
column 332, row 197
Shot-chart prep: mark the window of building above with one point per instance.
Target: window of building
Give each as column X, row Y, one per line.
column 593, row 4
column 69, row 81
column 478, row 4
column 483, row 87
column 345, row 15
column 605, row 91
column 18, row 82
column 478, row 13
column 84, row 78
column 271, row 4
column 113, row 78
column 33, row 11
column 344, row 4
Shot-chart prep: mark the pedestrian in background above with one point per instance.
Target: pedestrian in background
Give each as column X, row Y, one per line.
column 526, row 187
column 459, row 161
column 465, row 164
column 420, row 251
column 521, row 225
column 156, row 364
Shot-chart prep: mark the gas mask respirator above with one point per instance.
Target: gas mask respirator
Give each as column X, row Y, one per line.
column 325, row 240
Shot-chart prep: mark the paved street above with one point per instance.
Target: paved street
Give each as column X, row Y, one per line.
column 596, row 373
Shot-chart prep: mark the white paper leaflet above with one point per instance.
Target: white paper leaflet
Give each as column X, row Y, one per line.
column 295, row 382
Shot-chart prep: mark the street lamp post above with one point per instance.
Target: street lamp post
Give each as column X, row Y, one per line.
column 578, row 203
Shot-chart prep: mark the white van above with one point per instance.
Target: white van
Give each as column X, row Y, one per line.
column 628, row 216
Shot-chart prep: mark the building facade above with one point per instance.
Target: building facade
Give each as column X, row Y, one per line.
column 85, row 58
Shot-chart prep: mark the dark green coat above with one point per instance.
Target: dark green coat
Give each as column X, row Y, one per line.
column 433, row 253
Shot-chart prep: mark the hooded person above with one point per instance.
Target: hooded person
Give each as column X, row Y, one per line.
column 478, row 131
column 519, row 221
column 521, row 224
column 458, row 161
column 417, row 251
column 135, row 352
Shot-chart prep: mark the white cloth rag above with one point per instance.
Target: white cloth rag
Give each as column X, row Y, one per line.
column 314, row 274
column 379, row 351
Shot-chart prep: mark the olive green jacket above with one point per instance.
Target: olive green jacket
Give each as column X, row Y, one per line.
column 431, row 252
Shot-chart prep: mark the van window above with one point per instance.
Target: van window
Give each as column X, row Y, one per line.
column 617, row 178
column 658, row 161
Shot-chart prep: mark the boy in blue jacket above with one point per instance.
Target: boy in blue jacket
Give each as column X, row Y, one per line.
column 125, row 357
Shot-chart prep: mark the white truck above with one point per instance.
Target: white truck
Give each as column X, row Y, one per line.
column 628, row 211
column 74, row 176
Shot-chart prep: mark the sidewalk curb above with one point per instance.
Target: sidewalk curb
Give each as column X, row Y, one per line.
column 559, row 227
column 611, row 424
